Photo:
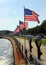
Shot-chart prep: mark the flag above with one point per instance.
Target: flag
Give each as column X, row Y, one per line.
column 17, row 26
column 17, row 29
column 20, row 22
column 23, row 25
column 30, row 15
column 14, row 32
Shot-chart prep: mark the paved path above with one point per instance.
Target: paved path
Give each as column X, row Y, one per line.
column 43, row 49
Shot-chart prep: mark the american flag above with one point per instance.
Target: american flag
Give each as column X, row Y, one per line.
column 31, row 15
column 17, row 30
column 23, row 25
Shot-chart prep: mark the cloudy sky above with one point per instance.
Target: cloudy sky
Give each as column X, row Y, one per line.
column 11, row 11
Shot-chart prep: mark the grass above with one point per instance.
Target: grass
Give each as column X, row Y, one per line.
column 22, row 37
column 43, row 40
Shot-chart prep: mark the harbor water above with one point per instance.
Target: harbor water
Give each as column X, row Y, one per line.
column 6, row 52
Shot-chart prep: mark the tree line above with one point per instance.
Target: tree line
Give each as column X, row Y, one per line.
column 37, row 29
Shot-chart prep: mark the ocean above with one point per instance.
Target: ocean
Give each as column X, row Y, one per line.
column 6, row 52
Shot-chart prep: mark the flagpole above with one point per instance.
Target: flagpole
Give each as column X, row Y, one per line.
column 19, row 32
column 24, row 33
column 24, row 17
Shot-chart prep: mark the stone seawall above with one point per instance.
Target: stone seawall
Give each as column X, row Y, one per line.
column 18, row 59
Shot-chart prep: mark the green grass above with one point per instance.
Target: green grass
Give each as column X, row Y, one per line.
column 21, row 37
column 43, row 40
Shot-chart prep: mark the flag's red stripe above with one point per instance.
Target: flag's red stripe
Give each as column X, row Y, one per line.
column 33, row 17
column 25, row 24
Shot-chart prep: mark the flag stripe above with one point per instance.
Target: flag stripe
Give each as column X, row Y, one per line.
column 31, row 15
column 23, row 24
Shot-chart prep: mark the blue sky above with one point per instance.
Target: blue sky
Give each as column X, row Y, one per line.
column 11, row 11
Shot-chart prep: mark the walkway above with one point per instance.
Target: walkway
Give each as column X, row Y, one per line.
column 34, row 50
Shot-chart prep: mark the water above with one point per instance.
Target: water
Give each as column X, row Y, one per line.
column 6, row 52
